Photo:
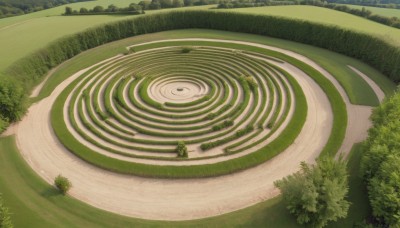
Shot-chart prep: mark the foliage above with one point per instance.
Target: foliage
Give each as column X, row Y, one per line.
column 186, row 49
column 133, row 8
column 225, row 124
column 5, row 218
column 12, row 101
column 63, row 184
column 162, row 4
column 384, row 191
column 229, row 4
column 10, row 8
column 181, row 150
column 381, row 162
column 316, row 194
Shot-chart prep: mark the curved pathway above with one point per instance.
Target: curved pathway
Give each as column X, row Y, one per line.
column 189, row 198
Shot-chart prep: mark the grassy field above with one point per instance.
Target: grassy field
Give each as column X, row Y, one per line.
column 34, row 203
column 46, row 26
column 328, row 16
column 380, row 11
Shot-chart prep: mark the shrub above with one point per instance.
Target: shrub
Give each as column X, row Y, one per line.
column 210, row 116
column 225, row 124
column 181, row 150
column 381, row 161
column 316, row 194
column 187, row 49
column 244, row 131
column 63, row 184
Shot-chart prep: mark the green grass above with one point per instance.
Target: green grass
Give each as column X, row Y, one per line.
column 25, row 34
column 379, row 11
column 34, row 203
column 357, row 89
column 330, row 17
column 285, row 139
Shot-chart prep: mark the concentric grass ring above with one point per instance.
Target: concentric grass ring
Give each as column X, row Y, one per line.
column 234, row 102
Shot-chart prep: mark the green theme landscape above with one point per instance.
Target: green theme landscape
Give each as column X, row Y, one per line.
column 199, row 113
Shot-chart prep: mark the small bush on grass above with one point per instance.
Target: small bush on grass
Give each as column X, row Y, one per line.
column 181, row 150
column 270, row 125
column 210, row 116
column 63, row 184
column 129, row 51
column 187, row 49
column 225, row 124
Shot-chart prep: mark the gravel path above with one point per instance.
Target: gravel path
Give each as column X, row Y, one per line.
column 190, row 198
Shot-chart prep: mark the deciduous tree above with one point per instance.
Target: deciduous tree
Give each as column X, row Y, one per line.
column 316, row 194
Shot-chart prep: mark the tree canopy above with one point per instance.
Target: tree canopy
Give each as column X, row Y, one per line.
column 316, row 194
column 381, row 162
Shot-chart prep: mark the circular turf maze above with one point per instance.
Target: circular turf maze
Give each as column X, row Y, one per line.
column 219, row 101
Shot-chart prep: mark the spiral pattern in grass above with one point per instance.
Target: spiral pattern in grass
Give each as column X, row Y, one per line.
column 218, row 101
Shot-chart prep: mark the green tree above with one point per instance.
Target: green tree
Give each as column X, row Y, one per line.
column 5, row 218
column 384, row 192
column 181, row 150
column 98, row 9
column 12, row 100
column 63, row 184
column 83, row 10
column 316, row 194
column 177, row 3
column 68, row 10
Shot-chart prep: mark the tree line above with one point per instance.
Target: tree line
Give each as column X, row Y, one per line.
column 390, row 21
column 138, row 8
column 133, row 8
column 10, row 8
column 381, row 163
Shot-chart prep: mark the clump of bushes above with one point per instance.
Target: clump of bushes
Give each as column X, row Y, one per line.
column 244, row 131
column 317, row 194
column 210, row 116
column 225, row 124
column 133, row 8
column 129, row 51
column 248, row 81
column 187, row 49
column 381, row 162
column 62, row 184
column 182, row 150
column 238, row 134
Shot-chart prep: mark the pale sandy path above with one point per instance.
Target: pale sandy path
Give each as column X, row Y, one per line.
column 172, row 199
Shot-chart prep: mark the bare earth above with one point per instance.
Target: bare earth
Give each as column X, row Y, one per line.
column 191, row 198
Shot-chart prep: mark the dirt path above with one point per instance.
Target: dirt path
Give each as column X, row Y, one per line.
column 181, row 199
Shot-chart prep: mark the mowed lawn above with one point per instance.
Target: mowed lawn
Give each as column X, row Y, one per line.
column 328, row 16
